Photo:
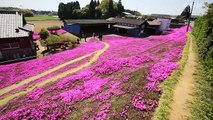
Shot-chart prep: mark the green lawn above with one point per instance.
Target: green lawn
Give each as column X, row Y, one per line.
column 41, row 18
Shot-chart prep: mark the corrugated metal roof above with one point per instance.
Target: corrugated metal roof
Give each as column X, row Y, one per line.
column 9, row 24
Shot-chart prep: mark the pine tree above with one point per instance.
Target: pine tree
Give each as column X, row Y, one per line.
column 111, row 12
column 92, row 9
column 120, row 8
column 186, row 12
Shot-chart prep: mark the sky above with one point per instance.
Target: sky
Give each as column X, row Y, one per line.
column 172, row 7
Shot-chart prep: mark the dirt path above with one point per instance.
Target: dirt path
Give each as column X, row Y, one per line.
column 184, row 89
column 53, row 79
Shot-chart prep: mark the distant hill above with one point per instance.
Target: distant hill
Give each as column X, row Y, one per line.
column 29, row 12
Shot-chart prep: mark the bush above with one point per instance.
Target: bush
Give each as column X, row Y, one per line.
column 60, row 38
column 43, row 34
column 202, row 107
column 54, row 39
column 68, row 39
column 53, row 28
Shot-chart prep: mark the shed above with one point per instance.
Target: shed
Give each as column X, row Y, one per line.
column 132, row 27
column 80, row 26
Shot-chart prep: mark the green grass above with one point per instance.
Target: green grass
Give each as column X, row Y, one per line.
column 163, row 110
column 41, row 18
column 201, row 108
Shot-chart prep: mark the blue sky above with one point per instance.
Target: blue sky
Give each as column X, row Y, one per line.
column 173, row 7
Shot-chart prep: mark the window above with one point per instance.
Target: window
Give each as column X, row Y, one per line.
column 9, row 46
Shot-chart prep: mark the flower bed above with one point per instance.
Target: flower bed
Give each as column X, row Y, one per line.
column 122, row 84
column 12, row 73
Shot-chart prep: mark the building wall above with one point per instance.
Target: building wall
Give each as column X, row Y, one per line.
column 72, row 28
column 134, row 32
column 165, row 23
column 14, row 48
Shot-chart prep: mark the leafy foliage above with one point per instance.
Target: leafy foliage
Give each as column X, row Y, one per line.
column 43, row 34
column 60, row 38
column 202, row 107
column 26, row 12
column 94, row 10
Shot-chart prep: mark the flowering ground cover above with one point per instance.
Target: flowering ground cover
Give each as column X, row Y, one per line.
column 121, row 84
column 13, row 73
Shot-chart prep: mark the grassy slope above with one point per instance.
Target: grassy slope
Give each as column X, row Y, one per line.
column 41, row 18
column 163, row 109
column 201, row 107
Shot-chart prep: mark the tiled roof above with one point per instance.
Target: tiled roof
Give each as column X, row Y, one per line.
column 129, row 21
column 10, row 23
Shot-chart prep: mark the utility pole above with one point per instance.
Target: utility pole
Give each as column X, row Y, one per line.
column 190, row 16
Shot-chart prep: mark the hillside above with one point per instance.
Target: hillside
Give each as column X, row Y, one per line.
column 117, row 78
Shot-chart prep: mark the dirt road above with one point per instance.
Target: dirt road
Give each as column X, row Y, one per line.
column 184, row 89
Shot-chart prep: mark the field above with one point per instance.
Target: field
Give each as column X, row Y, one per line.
column 45, row 24
column 116, row 78
column 41, row 18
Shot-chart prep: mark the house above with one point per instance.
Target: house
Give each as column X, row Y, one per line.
column 88, row 26
column 164, row 19
column 127, row 26
column 154, row 27
column 16, row 42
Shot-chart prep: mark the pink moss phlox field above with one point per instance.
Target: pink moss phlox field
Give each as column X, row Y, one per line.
column 112, row 65
column 139, row 101
column 43, row 109
column 102, row 81
column 79, row 93
column 13, row 73
column 163, row 69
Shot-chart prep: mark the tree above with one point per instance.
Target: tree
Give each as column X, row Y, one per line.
column 92, row 9
column 111, row 11
column 61, row 11
column 186, row 12
column 98, row 3
column 120, row 8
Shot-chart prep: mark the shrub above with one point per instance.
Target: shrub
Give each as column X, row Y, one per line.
column 60, row 38
column 68, row 39
column 202, row 107
column 43, row 34
column 54, row 39
column 53, row 29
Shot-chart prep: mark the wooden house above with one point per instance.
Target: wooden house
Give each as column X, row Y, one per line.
column 16, row 42
column 128, row 26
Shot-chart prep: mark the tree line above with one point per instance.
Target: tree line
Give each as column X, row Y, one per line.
column 94, row 10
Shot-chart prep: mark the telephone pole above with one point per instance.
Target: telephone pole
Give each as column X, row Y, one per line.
column 190, row 16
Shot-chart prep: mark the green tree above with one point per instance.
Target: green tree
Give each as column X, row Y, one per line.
column 61, row 11
column 186, row 12
column 120, row 8
column 111, row 10
column 92, row 9
column 44, row 34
